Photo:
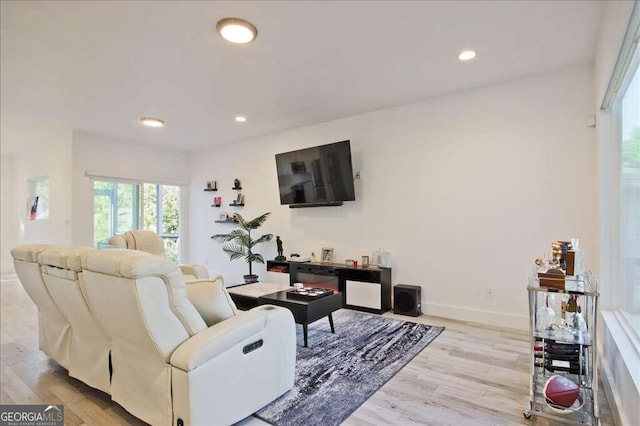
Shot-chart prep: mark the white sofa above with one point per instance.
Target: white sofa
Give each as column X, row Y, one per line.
column 54, row 331
column 89, row 345
column 150, row 242
column 173, row 361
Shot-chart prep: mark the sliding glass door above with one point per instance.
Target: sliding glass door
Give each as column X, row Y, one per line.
column 161, row 214
column 119, row 207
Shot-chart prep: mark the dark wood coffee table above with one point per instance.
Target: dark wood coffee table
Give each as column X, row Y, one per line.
column 305, row 311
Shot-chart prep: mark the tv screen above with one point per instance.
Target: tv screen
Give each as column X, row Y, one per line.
column 322, row 174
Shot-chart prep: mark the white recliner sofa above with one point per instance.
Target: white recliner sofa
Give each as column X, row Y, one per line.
column 169, row 367
column 150, row 242
column 89, row 346
column 54, row 331
column 173, row 361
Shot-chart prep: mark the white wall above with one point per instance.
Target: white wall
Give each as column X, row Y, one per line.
column 53, row 160
column 619, row 360
column 110, row 156
column 8, row 214
column 463, row 190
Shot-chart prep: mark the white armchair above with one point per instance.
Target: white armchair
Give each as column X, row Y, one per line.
column 167, row 364
column 150, row 242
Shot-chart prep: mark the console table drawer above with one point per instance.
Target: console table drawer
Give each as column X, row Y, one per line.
column 366, row 295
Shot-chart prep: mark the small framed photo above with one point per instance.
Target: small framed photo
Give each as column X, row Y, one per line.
column 327, row 255
column 365, row 261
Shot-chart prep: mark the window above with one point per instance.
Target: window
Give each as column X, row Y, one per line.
column 119, row 207
column 629, row 276
column 115, row 210
column 161, row 214
column 623, row 149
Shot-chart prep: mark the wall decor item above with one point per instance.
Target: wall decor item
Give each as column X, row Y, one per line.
column 32, row 205
column 212, row 185
column 279, row 246
column 38, row 201
column 382, row 258
column 239, row 201
column 327, row 255
column 236, row 184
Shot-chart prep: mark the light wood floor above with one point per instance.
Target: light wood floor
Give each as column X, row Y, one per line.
column 470, row 375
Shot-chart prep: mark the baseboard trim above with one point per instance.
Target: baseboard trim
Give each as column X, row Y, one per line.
column 498, row 319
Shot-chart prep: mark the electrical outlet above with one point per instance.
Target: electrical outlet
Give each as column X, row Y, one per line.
column 489, row 293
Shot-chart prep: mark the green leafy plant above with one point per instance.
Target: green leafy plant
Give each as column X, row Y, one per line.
column 631, row 148
column 238, row 243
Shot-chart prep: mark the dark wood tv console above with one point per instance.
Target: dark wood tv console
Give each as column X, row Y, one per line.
column 364, row 289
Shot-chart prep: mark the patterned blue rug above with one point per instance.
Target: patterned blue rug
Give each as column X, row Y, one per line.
column 338, row 372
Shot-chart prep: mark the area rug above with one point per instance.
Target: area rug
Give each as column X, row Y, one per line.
column 338, row 372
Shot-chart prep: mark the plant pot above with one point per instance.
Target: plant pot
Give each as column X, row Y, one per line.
column 248, row 279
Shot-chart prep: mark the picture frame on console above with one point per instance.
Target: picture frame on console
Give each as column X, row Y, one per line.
column 327, row 255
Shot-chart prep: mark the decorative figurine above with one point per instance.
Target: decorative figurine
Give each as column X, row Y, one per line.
column 280, row 257
column 236, row 184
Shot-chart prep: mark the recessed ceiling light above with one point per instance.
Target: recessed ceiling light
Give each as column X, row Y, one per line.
column 467, row 55
column 237, row 30
column 241, row 118
column 152, row 122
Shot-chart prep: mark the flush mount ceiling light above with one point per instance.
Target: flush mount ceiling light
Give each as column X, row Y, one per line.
column 237, row 30
column 241, row 118
column 152, row 122
column 467, row 55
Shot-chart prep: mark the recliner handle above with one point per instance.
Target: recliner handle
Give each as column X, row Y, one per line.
column 252, row 346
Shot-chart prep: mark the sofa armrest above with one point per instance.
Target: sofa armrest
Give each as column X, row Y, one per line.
column 211, row 300
column 197, row 271
column 233, row 332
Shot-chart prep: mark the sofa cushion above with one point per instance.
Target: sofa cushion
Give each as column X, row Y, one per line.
column 211, row 300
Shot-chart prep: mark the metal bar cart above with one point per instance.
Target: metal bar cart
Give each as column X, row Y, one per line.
column 564, row 343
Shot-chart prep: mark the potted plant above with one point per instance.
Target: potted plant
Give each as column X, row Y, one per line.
column 238, row 243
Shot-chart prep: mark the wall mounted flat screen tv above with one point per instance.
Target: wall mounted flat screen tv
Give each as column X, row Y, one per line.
column 316, row 176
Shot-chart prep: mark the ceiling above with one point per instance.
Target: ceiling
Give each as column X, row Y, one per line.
column 100, row 66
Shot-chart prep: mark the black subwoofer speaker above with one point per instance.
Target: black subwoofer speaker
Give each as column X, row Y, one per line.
column 407, row 300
